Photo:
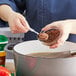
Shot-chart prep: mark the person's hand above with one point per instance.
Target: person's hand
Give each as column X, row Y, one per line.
column 17, row 23
column 64, row 26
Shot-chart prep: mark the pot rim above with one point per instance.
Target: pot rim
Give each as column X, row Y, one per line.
column 15, row 51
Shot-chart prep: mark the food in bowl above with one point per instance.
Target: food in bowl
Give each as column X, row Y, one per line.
column 50, row 36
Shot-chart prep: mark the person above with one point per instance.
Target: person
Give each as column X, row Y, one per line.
column 41, row 15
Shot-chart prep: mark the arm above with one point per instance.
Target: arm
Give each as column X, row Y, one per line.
column 15, row 20
column 4, row 15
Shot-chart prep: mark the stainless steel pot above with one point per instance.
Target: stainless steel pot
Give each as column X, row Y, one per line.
column 37, row 66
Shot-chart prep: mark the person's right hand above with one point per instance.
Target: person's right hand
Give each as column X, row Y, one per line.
column 17, row 23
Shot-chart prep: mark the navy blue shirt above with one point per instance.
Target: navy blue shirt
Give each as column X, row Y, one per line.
column 42, row 12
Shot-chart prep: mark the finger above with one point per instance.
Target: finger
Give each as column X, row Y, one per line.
column 50, row 26
column 14, row 31
column 46, row 27
column 20, row 26
column 63, row 38
column 54, row 46
column 13, row 28
column 21, row 30
column 59, row 43
column 24, row 22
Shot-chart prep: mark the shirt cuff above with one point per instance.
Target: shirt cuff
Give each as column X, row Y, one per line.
column 7, row 2
column 11, row 3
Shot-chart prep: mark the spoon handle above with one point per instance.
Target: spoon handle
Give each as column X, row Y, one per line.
column 30, row 29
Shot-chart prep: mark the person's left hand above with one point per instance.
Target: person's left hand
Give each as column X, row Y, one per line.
column 64, row 26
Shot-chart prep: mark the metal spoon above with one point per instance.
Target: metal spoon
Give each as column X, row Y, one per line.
column 31, row 29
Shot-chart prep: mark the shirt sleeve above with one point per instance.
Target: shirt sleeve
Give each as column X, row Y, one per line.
column 11, row 3
column 16, row 5
column 5, row 2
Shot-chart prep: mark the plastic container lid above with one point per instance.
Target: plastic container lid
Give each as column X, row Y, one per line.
column 3, row 39
column 2, row 53
column 3, row 42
